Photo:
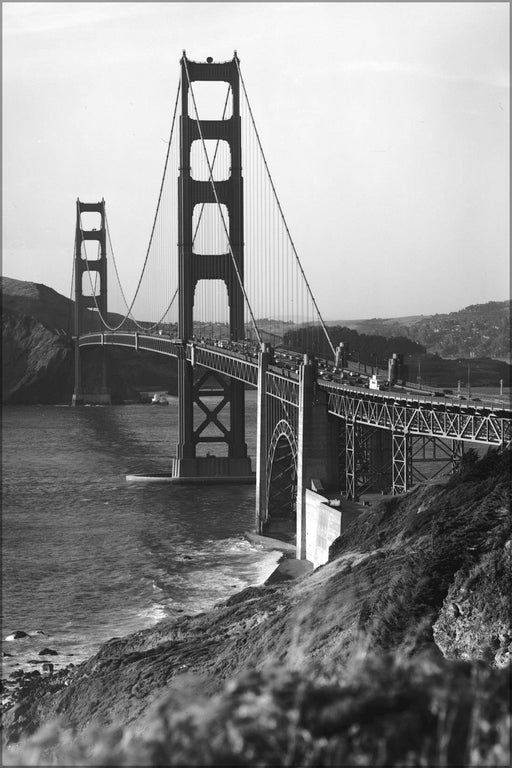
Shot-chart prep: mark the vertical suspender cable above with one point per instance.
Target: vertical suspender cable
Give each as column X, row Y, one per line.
column 235, row 266
column 129, row 308
column 281, row 212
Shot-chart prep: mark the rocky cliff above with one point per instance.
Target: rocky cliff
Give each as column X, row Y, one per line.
column 355, row 663
column 38, row 352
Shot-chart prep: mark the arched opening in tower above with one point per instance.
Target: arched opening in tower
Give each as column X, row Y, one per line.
column 282, row 492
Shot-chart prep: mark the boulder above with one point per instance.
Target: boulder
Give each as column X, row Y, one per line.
column 48, row 652
column 17, row 635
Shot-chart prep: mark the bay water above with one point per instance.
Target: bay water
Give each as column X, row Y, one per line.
column 88, row 555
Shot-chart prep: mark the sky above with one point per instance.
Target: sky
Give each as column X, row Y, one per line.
column 385, row 127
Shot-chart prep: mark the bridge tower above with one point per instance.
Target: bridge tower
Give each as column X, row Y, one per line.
column 227, row 416
column 83, row 301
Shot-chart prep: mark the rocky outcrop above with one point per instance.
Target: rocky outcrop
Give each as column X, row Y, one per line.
column 17, row 635
column 49, row 308
column 474, row 622
column 37, row 362
column 38, row 352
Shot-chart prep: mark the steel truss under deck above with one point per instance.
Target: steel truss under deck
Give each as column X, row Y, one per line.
column 432, row 432
column 364, row 469
column 434, row 420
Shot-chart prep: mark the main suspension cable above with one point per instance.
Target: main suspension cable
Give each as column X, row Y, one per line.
column 129, row 307
column 159, row 195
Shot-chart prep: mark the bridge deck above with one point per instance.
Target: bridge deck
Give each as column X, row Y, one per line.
column 487, row 421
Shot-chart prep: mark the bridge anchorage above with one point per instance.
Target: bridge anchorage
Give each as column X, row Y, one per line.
column 327, row 433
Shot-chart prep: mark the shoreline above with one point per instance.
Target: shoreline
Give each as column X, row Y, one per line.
column 288, row 567
column 365, row 603
column 17, row 677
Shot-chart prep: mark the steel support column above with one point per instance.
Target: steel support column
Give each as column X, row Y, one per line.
column 306, row 375
column 193, row 267
column 96, row 266
column 261, row 438
column 457, row 454
column 402, row 463
column 351, row 459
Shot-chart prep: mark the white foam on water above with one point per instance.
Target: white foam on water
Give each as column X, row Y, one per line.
column 267, row 565
column 151, row 615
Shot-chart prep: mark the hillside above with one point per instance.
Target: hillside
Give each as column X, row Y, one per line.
column 393, row 653
column 427, row 368
column 38, row 352
column 479, row 330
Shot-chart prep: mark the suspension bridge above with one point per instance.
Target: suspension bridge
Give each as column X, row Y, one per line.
column 223, row 292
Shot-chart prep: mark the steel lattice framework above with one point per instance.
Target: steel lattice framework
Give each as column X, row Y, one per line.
column 437, row 418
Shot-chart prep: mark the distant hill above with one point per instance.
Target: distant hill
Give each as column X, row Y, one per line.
column 479, row 330
column 367, row 347
column 39, row 302
column 48, row 307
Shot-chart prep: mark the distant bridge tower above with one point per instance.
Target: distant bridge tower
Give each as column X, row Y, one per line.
column 89, row 267
column 227, row 416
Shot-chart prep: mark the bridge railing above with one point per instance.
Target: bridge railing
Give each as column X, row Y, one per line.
column 91, row 339
column 421, row 399
column 162, row 344
column 237, row 365
column 119, row 339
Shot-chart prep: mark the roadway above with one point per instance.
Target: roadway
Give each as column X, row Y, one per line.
column 241, row 360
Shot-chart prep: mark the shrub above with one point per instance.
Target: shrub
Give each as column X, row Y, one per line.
column 390, row 711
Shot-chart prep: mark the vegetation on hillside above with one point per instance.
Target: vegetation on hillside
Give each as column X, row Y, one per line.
column 479, row 330
column 364, row 347
column 386, row 710
column 423, row 368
